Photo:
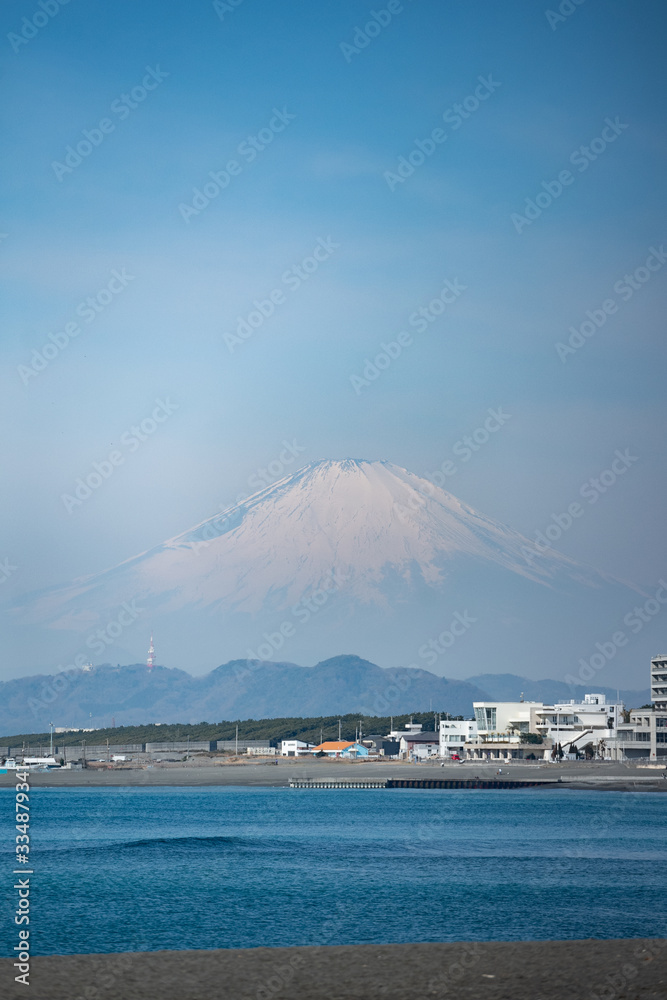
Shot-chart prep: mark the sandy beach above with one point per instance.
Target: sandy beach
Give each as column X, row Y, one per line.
column 529, row 970
column 208, row 771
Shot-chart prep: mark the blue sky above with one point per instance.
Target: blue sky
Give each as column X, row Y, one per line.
column 322, row 177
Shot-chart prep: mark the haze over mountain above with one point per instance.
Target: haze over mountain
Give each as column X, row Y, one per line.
column 131, row 695
column 366, row 550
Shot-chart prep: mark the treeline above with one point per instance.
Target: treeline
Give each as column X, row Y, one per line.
column 311, row 730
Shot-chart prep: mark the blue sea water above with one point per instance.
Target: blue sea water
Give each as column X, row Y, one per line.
column 129, row 869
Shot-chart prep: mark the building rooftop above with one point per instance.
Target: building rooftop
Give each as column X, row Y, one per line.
column 335, row 745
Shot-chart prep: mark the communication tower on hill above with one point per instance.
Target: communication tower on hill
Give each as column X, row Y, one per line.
column 150, row 662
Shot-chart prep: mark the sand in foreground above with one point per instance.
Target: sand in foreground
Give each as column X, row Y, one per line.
column 523, row 970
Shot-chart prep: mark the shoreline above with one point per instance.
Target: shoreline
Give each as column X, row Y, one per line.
column 497, row 970
column 575, row 775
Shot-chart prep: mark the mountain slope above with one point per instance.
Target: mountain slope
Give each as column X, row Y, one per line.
column 369, row 528
column 356, row 548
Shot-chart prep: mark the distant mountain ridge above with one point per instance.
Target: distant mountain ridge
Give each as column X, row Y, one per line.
column 243, row 689
column 510, row 687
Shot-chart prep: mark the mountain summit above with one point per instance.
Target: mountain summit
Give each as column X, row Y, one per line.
column 351, row 524
column 359, row 546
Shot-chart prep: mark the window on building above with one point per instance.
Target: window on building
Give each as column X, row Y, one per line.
column 486, row 718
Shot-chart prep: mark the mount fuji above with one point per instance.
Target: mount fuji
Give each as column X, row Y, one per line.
column 357, row 555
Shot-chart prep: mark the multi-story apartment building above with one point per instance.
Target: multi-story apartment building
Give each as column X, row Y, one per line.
column 659, row 683
column 645, row 735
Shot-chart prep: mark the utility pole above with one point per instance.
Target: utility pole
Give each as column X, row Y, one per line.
column 237, row 739
column 108, row 757
column 339, row 736
column 51, row 740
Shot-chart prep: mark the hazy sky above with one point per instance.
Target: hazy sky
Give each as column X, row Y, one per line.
column 307, row 117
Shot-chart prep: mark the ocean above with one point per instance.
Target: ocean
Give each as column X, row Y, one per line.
column 142, row 869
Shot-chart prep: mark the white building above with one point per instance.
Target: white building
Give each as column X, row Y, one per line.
column 294, row 748
column 454, row 735
column 570, row 723
column 659, row 683
column 645, row 735
column 574, row 724
column 638, row 738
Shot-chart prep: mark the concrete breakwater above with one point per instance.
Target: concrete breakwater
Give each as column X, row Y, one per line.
column 419, row 783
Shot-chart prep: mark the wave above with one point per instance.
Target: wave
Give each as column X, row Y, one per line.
column 117, row 846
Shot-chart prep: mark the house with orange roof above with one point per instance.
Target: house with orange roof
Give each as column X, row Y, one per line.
column 340, row 748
